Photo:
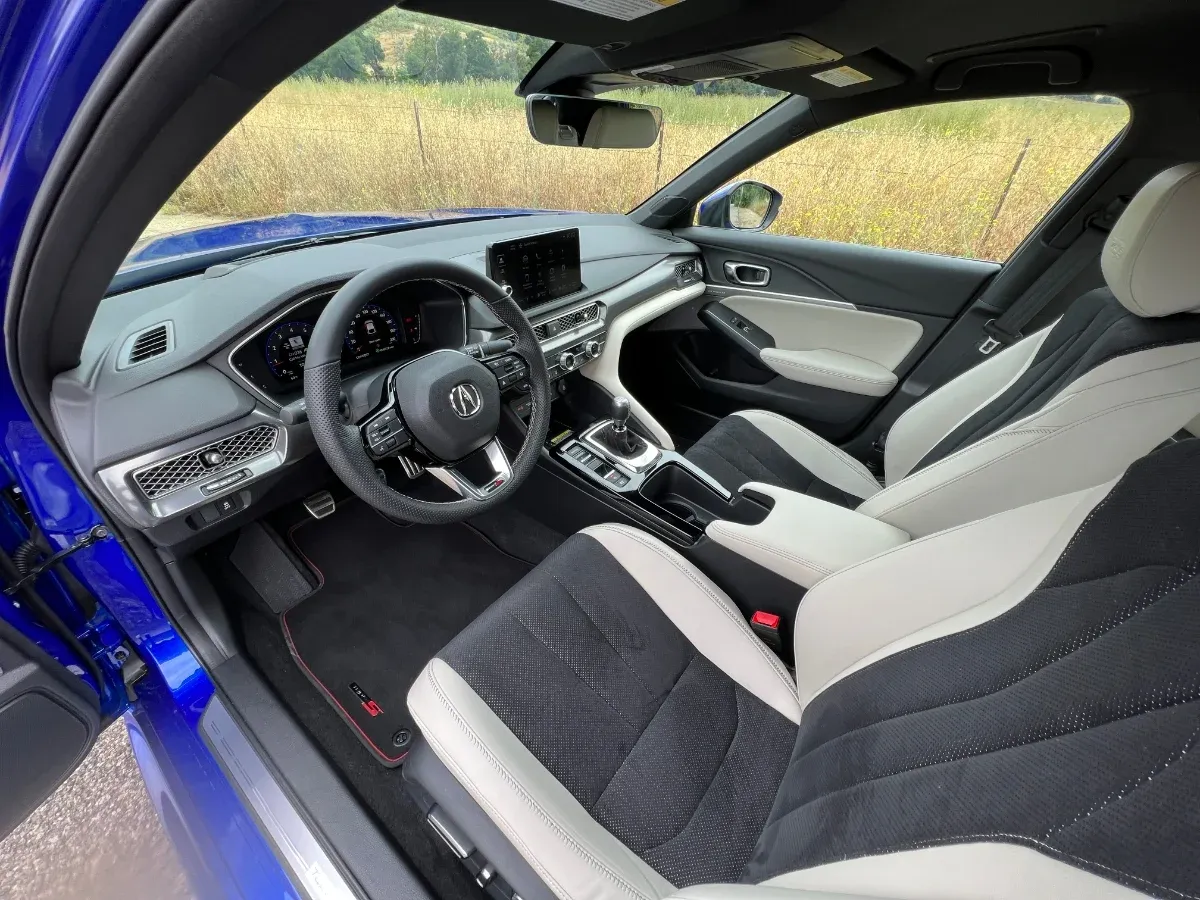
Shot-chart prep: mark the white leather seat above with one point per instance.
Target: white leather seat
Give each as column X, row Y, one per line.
column 1063, row 409
column 1005, row 710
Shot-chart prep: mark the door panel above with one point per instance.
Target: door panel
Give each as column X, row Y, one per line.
column 48, row 723
column 833, row 331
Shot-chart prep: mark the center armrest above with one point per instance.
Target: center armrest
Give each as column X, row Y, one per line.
column 805, row 539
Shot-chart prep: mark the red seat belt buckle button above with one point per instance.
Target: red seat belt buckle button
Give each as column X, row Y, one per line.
column 766, row 620
column 766, row 626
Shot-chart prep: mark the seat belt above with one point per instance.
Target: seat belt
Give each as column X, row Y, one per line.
column 1005, row 329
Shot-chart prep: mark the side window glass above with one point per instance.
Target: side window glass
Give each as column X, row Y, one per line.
column 970, row 178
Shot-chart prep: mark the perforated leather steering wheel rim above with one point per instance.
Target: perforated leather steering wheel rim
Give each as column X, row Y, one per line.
column 340, row 442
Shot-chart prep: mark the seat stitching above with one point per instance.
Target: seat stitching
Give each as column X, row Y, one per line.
column 742, row 627
column 722, row 528
column 600, row 631
column 818, row 443
column 1046, row 432
column 578, row 675
column 516, row 785
column 724, row 759
column 1017, row 839
column 1129, row 787
column 645, row 731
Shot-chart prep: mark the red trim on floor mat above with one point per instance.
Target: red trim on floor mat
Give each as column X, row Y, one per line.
column 287, row 636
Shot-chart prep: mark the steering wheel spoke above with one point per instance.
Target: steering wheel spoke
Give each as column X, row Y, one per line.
column 384, row 433
column 479, row 475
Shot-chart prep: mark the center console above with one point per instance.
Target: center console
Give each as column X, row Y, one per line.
column 682, row 497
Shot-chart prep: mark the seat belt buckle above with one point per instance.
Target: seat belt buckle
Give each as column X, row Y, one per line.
column 996, row 338
column 766, row 626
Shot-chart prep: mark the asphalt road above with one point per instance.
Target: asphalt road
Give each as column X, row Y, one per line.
column 98, row 837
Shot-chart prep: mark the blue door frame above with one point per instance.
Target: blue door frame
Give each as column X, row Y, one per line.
column 51, row 52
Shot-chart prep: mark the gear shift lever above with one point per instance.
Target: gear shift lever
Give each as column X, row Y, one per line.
column 620, row 426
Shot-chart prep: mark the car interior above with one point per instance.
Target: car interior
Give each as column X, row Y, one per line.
column 687, row 559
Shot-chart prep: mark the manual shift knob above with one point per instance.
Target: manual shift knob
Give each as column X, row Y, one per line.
column 620, row 413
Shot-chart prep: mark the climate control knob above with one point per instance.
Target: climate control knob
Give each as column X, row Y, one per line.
column 567, row 360
column 592, row 349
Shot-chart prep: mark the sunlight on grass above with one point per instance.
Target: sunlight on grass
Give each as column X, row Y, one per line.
column 925, row 179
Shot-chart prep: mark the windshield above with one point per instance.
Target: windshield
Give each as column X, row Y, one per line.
column 414, row 116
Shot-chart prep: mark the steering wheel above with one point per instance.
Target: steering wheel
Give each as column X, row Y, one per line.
column 440, row 410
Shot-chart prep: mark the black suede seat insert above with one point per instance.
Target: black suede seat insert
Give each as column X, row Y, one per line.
column 1067, row 724
column 1094, row 330
column 660, row 746
column 735, row 452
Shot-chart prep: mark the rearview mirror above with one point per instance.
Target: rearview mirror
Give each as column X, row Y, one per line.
column 587, row 122
column 743, row 206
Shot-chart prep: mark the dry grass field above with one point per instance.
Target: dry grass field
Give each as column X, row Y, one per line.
column 968, row 179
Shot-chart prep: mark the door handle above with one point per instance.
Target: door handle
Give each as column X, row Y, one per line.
column 744, row 273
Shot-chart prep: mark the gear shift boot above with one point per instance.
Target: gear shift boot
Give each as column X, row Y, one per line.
column 615, row 440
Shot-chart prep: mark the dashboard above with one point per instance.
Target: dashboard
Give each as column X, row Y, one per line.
column 400, row 323
column 212, row 419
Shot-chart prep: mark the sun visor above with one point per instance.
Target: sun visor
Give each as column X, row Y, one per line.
column 850, row 75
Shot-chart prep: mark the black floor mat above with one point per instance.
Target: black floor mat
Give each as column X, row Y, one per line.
column 391, row 597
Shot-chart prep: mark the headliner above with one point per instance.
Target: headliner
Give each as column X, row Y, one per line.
column 1126, row 47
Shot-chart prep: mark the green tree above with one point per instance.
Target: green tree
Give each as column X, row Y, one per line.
column 534, row 48
column 420, row 57
column 356, row 57
column 451, row 56
column 479, row 61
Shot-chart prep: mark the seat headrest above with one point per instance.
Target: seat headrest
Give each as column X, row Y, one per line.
column 1151, row 259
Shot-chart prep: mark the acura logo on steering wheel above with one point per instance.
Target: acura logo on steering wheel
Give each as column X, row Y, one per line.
column 465, row 399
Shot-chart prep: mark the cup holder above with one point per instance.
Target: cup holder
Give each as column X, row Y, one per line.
column 684, row 499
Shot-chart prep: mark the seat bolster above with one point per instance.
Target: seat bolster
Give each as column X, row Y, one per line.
column 923, row 590
column 823, row 459
column 703, row 613
column 760, row 892
column 576, row 857
column 923, row 425
column 986, row 870
column 1087, row 434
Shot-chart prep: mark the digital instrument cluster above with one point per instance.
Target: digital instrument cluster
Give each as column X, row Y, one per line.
column 395, row 325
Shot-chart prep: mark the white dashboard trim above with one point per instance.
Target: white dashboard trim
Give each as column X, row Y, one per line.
column 605, row 369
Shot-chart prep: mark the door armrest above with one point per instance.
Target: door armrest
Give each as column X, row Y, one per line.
column 831, row 369
column 805, row 539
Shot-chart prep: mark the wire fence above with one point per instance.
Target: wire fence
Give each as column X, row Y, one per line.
column 906, row 188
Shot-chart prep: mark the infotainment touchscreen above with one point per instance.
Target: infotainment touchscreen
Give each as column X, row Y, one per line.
column 538, row 268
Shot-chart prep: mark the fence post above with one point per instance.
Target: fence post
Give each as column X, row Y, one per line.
column 662, row 135
column 1012, row 176
column 420, row 136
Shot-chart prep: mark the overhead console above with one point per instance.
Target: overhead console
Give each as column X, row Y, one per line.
column 793, row 52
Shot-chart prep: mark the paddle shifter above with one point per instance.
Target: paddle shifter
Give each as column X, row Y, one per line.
column 623, row 439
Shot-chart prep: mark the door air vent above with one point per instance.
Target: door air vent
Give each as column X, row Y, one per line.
column 165, row 477
column 145, row 345
column 572, row 320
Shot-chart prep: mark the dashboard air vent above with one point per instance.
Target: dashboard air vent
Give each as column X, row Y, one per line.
column 165, row 477
column 145, row 345
column 690, row 271
column 572, row 320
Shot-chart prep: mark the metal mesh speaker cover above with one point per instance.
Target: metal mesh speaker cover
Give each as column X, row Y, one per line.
column 551, row 327
column 162, row 478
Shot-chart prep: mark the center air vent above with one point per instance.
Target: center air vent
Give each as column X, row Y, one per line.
column 568, row 322
column 145, row 345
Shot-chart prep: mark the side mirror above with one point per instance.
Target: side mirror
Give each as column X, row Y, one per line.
column 587, row 122
column 743, row 205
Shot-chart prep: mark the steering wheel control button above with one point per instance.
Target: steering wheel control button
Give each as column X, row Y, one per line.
column 221, row 483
